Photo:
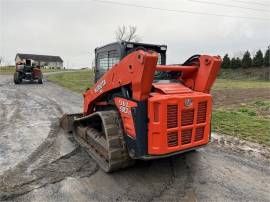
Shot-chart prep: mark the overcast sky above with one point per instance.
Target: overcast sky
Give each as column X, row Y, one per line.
column 73, row 28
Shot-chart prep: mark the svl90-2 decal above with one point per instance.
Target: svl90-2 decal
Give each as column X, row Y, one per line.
column 124, row 106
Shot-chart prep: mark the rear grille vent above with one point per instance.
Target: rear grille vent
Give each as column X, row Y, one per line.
column 172, row 116
column 186, row 136
column 199, row 134
column 201, row 115
column 189, row 121
column 172, row 139
column 187, row 117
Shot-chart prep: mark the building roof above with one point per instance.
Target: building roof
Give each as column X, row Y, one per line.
column 47, row 58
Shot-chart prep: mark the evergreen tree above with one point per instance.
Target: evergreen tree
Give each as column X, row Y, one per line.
column 238, row 62
column 258, row 59
column 235, row 63
column 267, row 58
column 226, row 63
column 246, row 61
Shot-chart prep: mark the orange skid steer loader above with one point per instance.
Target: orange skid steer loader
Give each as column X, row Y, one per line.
column 141, row 108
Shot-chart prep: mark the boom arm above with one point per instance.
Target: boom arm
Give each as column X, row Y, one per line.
column 137, row 70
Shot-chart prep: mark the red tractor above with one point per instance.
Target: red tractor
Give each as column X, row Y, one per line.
column 141, row 108
column 30, row 73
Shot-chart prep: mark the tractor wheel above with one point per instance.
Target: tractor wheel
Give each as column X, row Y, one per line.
column 16, row 78
column 40, row 81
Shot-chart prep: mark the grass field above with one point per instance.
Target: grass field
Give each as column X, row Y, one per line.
column 249, row 120
column 7, row 69
column 221, row 84
column 77, row 81
column 11, row 70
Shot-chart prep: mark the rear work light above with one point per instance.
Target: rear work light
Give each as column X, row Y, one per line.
column 130, row 45
column 163, row 48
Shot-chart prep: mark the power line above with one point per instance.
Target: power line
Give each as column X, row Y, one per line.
column 227, row 5
column 179, row 11
column 249, row 2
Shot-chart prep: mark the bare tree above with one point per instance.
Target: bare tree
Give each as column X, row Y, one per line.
column 120, row 33
column 127, row 33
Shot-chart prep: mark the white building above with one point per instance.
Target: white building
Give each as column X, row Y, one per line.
column 41, row 60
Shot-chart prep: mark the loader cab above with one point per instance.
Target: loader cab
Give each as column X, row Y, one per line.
column 108, row 55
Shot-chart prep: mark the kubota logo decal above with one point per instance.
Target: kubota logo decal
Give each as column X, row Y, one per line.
column 188, row 102
column 100, row 86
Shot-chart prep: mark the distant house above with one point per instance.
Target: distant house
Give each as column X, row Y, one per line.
column 47, row 61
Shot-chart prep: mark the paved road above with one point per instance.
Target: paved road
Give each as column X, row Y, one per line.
column 38, row 162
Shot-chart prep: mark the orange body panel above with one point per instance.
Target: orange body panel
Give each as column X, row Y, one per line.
column 178, row 122
column 172, row 88
column 207, row 73
column 124, row 107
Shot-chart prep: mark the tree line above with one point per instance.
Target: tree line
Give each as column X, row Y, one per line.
column 258, row 60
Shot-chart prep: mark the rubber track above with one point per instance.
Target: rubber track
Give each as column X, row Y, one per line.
column 111, row 153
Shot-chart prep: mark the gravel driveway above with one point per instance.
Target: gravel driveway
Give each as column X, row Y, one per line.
column 38, row 162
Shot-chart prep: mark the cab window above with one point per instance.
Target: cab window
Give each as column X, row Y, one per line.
column 107, row 59
column 103, row 61
column 113, row 58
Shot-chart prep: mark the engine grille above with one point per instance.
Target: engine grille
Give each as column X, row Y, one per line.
column 172, row 139
column 199, row 133
column 186, row 136
column 187, row 117
column 201, row 114
column 187, row 123
column 172, row 116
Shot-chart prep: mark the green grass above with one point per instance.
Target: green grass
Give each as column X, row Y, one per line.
column 7, row 70
column 11, row 70
column 77, row 81
column 53, row 70
column 221, row 84
column 250, row 122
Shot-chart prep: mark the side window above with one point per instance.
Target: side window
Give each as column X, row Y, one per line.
column 159, row 59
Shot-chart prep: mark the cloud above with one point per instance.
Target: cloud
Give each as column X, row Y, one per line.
column 73, row 29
